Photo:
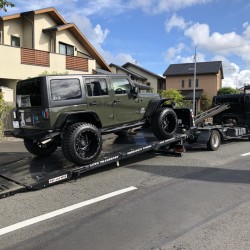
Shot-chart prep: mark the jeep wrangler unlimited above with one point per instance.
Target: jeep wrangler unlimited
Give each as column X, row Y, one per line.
column 73, row 111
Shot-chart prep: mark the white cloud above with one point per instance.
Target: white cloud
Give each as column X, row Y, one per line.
column 109, row 7
column 246, row 33
column 224, row 43
column 96, row 35
column 100, row 34
column 173, row 52
column 175, row 21
column 160, row 6
column 175, row 55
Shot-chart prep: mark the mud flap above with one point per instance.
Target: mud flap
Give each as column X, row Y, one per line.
column 204, row 136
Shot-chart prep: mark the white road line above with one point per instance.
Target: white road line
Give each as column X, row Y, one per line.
column 246, row 154
column 55, row 213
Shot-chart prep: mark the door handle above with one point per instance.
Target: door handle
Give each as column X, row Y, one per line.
column 93, row 103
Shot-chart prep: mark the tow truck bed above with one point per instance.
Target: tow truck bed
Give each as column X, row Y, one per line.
column 36, row 173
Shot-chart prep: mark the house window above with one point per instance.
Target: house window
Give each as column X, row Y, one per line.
column 66, row 49
column 189, row 83
column 15, row 41
column 197, row 83
column 183, row 83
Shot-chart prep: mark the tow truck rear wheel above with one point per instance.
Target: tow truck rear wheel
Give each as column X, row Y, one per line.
column 164, row 123
column 81, row 143
column 214, row 140
column 40, row 149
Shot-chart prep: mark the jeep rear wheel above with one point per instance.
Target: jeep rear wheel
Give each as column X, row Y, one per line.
column 38, row 148
column 81, row 143
column 164, row 123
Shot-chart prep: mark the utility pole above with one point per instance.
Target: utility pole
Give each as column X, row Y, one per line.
column 194, row 80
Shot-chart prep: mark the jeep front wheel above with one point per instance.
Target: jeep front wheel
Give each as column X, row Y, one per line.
column 164, row 123
column 81, row 143
column 38, row 148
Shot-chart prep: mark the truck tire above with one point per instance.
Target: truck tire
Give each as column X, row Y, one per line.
column 164, row 123
column 214, row 140
column 40, row 149
column 81, row 143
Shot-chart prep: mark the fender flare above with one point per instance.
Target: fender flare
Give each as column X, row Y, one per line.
column 153, row 105
column 64, row 118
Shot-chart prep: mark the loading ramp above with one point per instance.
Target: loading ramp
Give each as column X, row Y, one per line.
column 36, row 173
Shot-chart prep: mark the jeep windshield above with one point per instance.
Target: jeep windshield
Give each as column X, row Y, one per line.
column 28, row 94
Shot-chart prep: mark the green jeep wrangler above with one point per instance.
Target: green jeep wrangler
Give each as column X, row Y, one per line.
column 73, row 111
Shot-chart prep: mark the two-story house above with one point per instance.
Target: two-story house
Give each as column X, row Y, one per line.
column 41, row 40
column 208, row 76
column 140, row 74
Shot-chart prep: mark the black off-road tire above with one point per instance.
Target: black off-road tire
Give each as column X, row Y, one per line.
column 164, row 123
column 39, row 149
column 81, row 143
column 214, row 141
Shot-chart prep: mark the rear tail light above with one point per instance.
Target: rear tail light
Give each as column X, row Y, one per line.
column 45, row 114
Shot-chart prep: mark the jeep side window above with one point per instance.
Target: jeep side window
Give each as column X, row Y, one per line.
column 121, row 86
column 96, row 87
column 65, row 89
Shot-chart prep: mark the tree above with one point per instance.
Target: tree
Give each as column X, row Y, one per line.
column 206, row 102
column 174, row 95
column 227, row 90
column 4, row 4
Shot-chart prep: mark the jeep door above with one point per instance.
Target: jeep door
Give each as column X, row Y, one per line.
column 99, row 100
column 126, row 104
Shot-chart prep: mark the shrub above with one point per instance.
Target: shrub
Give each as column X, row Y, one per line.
column 5, row 108
column 173, row 94
column 227, row 90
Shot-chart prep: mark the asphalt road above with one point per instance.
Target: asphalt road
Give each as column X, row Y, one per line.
column 198, row 201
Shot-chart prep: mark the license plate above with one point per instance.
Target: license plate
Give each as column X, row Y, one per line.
column 16, row 124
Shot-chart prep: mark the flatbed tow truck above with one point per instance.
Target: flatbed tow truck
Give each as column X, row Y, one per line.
column 35, row 173
column 230, row 120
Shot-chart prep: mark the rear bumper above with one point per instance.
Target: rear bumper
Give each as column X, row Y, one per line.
column 34, row 134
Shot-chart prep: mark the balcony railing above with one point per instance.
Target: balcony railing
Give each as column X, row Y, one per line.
column 76, row 63
column 42, row 58
column 35, row 57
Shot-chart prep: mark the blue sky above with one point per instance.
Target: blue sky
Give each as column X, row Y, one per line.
column 156, row 33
